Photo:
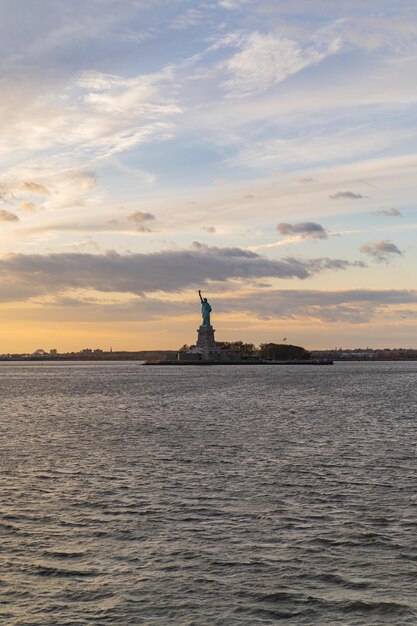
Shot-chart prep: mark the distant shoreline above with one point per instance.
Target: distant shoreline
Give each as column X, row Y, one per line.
column 343, row 356
column 172, row 361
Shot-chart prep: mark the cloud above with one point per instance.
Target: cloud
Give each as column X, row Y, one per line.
column 28, row 206
column 34, row 188
column 209, row 229
column 380, row 251
column 140, row 219
column 389, row 212
column 306, row 230
column 6, row 193
column 230, row 4
column 349, row 195
column 70, row 188
column 60, row 188
column 6, row 216
column 189, row 18
column 320, row 141
column 355, row 306
column 87, row 119
column 264, row 60
column 307, row 179
column 167, row 271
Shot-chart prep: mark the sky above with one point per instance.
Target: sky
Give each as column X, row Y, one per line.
column 265, row 152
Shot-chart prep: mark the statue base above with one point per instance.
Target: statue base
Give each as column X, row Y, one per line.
column 206, row 350
column 207, row 344
column 206, row 338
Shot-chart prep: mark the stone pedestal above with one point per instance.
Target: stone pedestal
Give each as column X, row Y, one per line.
column 207, row 344
column 206, row 349
column 206, row 339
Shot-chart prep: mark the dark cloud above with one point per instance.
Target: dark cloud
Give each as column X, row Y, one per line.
column 306, row 230
column 389, row 212
column 6, row 216
column 349, row 195
column 354, row 306
column 168, row 271
column 380, row 251
column 209, row 229
column 141, row 219
column 223, row 252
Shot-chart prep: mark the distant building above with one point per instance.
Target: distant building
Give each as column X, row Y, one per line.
column 90, row 351
column 40, row 352
column 366, row 354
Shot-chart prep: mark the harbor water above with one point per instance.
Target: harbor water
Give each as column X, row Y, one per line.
column 208, row 496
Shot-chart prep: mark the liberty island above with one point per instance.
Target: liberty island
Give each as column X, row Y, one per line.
column 207, row 351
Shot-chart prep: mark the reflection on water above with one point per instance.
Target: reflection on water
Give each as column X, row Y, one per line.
column 222, row 496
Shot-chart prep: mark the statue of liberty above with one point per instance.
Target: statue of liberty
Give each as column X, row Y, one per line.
column 205, row 310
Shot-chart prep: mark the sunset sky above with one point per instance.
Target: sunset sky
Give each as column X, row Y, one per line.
column 264, row 151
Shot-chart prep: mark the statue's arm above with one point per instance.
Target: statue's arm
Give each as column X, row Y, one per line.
column 199, row 293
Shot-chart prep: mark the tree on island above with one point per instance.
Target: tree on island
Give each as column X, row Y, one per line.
column 282, row 352
column 267, row 351
column 238, row 347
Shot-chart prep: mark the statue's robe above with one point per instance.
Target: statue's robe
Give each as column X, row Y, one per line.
column 205, row 311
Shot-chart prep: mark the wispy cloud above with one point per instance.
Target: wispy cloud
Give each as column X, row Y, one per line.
column 33, row 188
column 389, row 212
column 7, row 216
column 189, row 18
column 231, row 4
column 95, row 116
column 28, row 206
column 264, row 60
column 59, row 189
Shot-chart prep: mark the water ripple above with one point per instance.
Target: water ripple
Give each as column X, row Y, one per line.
column 233, row 496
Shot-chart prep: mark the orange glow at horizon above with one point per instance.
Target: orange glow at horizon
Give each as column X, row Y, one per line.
column 172, row 333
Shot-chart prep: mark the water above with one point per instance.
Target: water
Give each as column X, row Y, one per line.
column 216, row 496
